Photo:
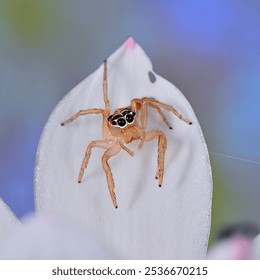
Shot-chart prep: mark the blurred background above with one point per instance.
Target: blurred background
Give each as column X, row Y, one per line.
column 209, row 49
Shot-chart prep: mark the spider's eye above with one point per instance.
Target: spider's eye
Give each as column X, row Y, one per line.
column 126, row 111
column 121, row 122
column 116, row 117
column 113, row 122
column 129, row 118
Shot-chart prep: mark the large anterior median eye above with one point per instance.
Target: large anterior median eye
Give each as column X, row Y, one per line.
column 121, row 122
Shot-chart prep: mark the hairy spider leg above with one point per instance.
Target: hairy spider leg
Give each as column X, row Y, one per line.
column 105, row 144
column 163, row 117
column 105, row 112
column 141, row 111
column 142, row 139
column 162, row 144
column 140, row 107
column 110, row 181
column 105, row 96
column 83, row 112
column 111, row 150
column 157, row 104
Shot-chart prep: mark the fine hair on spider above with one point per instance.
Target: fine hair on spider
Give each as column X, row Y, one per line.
column 125, row 125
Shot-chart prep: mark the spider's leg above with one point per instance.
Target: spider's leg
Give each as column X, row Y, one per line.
column 110, row 181
column 162, row 144
column 140, row 108
column 83, row 112
column 142, row 139
column 157, row 104
column 105, row 96
column 100, row 144
column 163, row 117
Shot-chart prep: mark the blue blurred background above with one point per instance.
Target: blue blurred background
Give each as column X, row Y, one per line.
column 209, row 49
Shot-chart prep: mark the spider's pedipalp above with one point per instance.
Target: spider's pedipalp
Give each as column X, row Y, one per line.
column 131, row 153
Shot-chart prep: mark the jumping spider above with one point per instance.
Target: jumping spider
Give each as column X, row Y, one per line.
column 125, row 125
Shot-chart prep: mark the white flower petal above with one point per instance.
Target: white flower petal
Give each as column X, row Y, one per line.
column 47, row 237
column 255, row 255
column 171, row 222
column 8, row 221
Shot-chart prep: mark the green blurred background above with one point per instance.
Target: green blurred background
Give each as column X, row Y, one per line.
column 209, row 49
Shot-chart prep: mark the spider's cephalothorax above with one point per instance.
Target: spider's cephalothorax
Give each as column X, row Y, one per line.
column 124, row 126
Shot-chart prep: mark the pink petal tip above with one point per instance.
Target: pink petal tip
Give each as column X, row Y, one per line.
column 130, row 43
column 241, row 248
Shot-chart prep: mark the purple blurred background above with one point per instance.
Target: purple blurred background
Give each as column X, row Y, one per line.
column 209, row 49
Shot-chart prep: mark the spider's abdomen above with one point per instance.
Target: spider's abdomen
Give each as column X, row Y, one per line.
column 130, row 133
